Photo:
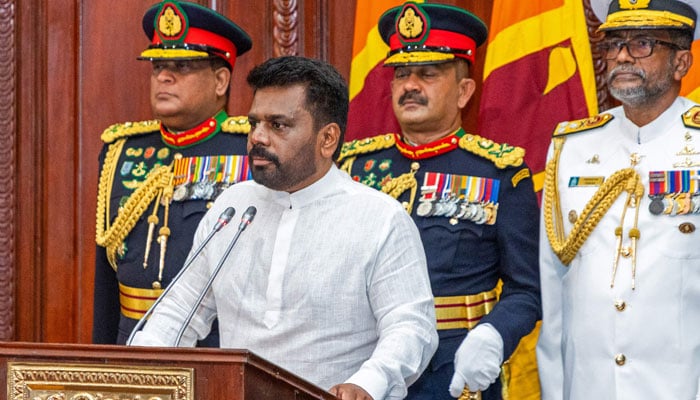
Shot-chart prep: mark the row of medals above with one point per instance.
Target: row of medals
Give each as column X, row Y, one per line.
column 675, row 204
column 202, row 190
column 678, row 203
column 455, row 207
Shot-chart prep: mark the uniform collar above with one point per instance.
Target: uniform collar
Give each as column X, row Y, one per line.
column 658, row 127
column 436, row 148
column 205, row 130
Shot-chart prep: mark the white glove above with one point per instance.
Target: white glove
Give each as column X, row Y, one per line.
column 478, row 360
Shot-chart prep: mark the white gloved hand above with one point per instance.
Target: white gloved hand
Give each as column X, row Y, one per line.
column 478, row 360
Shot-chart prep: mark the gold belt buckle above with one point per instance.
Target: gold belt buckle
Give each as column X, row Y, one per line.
column 469, row 395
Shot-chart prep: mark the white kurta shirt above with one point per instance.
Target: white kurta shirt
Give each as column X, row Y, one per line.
column 603, row 342
column 329, row 282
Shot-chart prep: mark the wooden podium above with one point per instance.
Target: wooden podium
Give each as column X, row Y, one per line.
column 43, row 371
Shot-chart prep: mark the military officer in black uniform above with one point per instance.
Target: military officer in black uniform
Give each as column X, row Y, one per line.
column 472, row 200
column 158, row 177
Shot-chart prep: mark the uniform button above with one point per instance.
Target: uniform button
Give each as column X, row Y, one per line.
column 209, row 204
column 573, row 216
column 686, row 227
column 620, row 359
column 620, row 305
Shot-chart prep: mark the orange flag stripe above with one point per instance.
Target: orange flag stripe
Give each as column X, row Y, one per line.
column 508, row 16
column 368, row 49
column 367, row 13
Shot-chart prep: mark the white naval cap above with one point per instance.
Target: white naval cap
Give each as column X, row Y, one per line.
column 648, row 14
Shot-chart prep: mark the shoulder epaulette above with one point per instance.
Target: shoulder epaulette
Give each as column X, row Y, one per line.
column 367, row 145
column 127, row 129
column 580, row 125
column 691, row 118
column 237, row 124
column 502, row 155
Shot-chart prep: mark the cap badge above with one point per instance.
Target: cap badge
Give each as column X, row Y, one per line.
column 412, row 25
column 634, row 4
column 171, row 23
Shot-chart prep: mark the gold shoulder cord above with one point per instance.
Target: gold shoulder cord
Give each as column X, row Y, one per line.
column 566, row 248
column 395, row 187
column 111, row 236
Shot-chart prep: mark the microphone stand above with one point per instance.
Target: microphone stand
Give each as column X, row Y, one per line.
column 247, row 218
column 223, row 220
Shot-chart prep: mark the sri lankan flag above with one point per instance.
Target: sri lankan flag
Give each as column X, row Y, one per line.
column 538, row 72
column 370, row 94
column 690, row 86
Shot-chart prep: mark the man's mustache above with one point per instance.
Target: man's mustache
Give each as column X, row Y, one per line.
column 626, row 69
column 413, row 96
column 260, row 152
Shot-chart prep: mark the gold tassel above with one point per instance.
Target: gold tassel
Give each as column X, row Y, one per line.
column 164, row 231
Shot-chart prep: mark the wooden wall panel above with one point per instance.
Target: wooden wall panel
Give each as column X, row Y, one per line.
column 113, row 87
column 68, row 70
column 59, row 138
column 30, row 93
column 256, row 19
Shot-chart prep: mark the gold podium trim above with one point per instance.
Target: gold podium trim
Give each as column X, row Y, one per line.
column 46, row 381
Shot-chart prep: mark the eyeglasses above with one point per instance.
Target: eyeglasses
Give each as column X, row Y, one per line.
column 637, row 48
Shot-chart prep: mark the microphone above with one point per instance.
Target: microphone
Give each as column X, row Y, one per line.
column 247, row 217
column 223, row 220
column 246, row 220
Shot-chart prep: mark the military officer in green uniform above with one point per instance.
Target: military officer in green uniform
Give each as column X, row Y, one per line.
column 472, row 200
column 158, row 177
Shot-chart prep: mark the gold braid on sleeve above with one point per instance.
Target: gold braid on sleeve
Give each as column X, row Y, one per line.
column 111, row 236
column 566, row 247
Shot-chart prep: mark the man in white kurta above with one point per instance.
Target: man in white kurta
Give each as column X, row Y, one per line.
column 329, row 282
column 620, row 248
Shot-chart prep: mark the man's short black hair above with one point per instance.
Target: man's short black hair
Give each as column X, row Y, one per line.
column 681, row 37
column 327, row 98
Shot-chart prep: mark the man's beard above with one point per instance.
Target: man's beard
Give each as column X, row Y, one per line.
column 647, row 92
column 279, row 176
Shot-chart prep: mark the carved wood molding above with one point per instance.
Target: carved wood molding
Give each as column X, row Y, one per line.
column 97, row 381
column 7, row 166
column 285, row 31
